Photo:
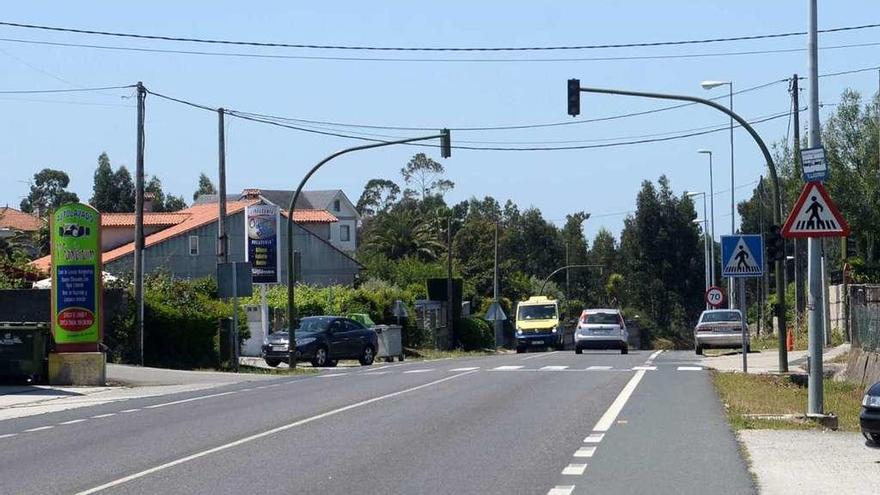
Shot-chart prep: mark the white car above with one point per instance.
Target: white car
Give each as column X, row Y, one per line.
column 601, row 329
column 720, row 328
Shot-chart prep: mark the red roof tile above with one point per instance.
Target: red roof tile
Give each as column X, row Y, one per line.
column 151, row 219
column 10, row 218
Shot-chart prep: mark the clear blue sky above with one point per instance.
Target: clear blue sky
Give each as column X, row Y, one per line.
column 69, row 131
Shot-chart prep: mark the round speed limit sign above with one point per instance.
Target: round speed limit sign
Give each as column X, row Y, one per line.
column 714, row 296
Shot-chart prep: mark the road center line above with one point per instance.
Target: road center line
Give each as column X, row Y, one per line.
column 154, row 406
column 266, row 433
column 39, row 428
column 72, row 421
column 99, row 416
column 614, row 409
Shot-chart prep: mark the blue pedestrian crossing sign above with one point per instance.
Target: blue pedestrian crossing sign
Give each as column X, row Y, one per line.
column 742, row 255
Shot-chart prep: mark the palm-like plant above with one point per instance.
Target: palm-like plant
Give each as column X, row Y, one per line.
column 403, row 232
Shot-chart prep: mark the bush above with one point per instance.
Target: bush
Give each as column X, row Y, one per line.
column 474, row 334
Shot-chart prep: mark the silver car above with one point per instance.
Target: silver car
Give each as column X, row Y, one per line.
column 601, row 329
column 720, row 328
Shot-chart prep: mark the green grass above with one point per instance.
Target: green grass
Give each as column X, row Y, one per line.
column 439, row 354
column 771, row 394
column 771, row 341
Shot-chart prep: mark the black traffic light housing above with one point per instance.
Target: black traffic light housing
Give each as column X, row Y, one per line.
column 445, row 143
column 574, row 97
column 775, row 244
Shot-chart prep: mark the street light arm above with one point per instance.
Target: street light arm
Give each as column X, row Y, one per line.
column 291, row 309
column 554, row 272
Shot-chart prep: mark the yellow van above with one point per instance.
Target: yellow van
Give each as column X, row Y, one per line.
column 537, row 324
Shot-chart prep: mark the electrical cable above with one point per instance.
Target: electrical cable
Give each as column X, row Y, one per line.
column 69, row 90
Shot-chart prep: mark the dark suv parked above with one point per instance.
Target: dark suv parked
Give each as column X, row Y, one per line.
column 324, row 340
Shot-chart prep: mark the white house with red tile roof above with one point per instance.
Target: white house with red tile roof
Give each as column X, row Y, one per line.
column 12, row 221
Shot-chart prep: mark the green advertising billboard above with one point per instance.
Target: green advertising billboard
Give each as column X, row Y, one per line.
column 75, row 231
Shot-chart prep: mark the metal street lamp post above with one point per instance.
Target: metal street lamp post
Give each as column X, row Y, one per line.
column 712, row 215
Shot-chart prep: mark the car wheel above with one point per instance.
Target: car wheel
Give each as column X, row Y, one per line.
column 320, row 360
column 872, row 437
column 367, row 356
column 578, row 350
column 624, row 350
column 272, row 362
column 699, row 350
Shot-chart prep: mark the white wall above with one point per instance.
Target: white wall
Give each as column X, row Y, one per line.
column 335, row 235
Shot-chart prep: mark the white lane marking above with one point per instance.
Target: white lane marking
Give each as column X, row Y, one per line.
column 126, row 411
column 585, row 452
column 469, row 368
column 614, row 409
column 654, row 355
column 554, row 368
column 99, row 416
column 597, row 368
column 378, row 373
column 7, row 435
column 507, row 368
column 561, row 490
column 690, row 368
column 264, row 434
column 39, row 428
column 154, row 406
column 423, row 370
column 267, row 386
column 644, row 368
column 574, row 469
column 72, row 421
column 544, row 354
column 333, row 374
column 594, row 438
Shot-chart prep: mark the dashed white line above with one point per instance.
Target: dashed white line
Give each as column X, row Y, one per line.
column 72, row 421
column 377, row 373
column 610, row 415
column 554, row 368
column 594, row 438
column 561, row 490
column 329, row 375
column 690, row 368
column 424, row 370
column 7, row 435
column 598, row 368
column 644, row 368
column 469, row 368
column 545, row 354
column 126, row 411
column 99, row 416
column 39, row 428
column 266, row 433
column 585, row 452
column 507, row 368
column 154, row 406
column 574, row 469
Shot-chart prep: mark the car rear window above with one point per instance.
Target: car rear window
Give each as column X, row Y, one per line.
column 720, row 316
column 602, row 318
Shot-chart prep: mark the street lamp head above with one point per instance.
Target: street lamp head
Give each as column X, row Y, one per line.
column 693, row 193
column 698, row 220
column 704, row 151
column 713, row 84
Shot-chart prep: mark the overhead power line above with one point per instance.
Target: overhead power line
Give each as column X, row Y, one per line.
column 116, row 34
column 68, row 90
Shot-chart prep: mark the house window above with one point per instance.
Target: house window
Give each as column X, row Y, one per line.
column 193, row 245
column 344, row 233
column 336, row 205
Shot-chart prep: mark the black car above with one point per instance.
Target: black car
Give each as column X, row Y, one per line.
column 869, row 418
column 324, row 340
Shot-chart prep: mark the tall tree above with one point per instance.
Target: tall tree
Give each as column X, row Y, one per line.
column 426, row 176
column 48, row 191
column 402, row 232
column 162, row 203
column 582, row 281
column 205, row 186
column 378, row 195
column 474, row 244
column 112, row 192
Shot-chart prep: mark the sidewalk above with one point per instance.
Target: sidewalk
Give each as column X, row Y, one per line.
column 129, row 382
column 767, row 360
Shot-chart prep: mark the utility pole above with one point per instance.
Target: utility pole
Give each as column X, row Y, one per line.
column 449, row 299
column 222, row 244
column 139, row 224
column 567, row 280
column 814, row 245
column 796, row 120
column 762, row 283
column 498, row 324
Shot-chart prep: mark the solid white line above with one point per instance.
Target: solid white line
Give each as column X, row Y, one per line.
column 424, row 370
column 574, row 469
column 597, row 368
column 544, row 354
column 594, row 438
column 154, row 406
column 7, row 435
column 561, row 490
column 653, row 356
column 644, row 368
column 266, row 433
column 610, row 415
column 469, row 368
column 585, row 452
column 72, row 422
column 507, row 368
column 690, row 368
column 554, row 368
column 39, row 428
column 99, row 416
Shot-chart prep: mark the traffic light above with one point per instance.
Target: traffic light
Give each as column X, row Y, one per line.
column 445, row 144
column 574, row 97
column 775, row 244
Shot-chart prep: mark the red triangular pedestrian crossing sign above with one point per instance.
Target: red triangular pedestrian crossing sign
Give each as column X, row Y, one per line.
column 815, row 215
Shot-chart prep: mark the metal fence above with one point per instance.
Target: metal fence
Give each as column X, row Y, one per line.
column 866, row 327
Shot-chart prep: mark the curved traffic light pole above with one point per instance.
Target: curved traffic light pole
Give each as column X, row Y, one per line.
column 777, row 204
column 554, row 272
column 291, row 305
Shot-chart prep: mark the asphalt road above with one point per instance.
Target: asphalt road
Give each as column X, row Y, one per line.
column 541, row 423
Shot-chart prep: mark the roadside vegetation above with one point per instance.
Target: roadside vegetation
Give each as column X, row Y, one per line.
column 745, row 395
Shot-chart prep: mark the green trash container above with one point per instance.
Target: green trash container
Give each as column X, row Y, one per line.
column 362, row 318
column 24, row 351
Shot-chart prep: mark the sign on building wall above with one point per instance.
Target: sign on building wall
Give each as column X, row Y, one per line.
column 262, row 241
column 75, row 232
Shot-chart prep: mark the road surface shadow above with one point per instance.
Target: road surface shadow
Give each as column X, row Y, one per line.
column 34, row 390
